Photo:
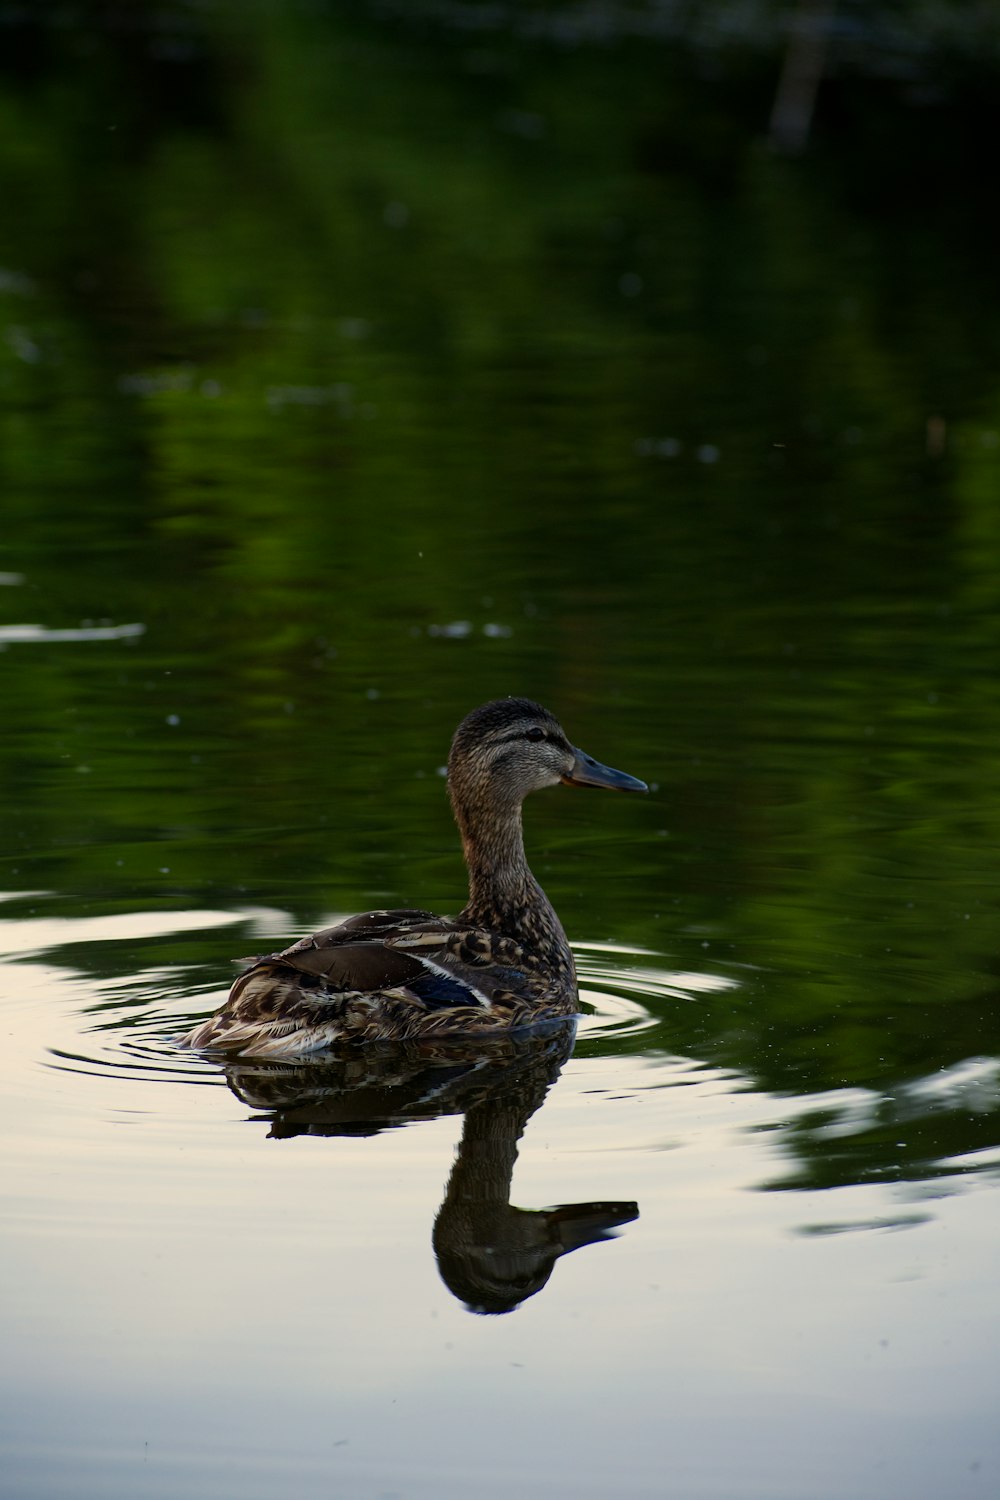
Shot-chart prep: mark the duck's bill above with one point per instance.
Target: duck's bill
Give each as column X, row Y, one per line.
column 586, row 771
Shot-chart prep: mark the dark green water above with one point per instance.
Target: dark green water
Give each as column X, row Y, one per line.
column 352, row 374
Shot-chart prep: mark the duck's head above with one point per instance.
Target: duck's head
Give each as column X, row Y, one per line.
column 504, row 750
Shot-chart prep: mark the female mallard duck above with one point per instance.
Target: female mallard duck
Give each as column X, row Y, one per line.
column 398, row 975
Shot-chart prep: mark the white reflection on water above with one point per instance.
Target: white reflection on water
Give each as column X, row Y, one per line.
column 40, row 934
column 34, row 634
column 611, row 982
column 199, row 1309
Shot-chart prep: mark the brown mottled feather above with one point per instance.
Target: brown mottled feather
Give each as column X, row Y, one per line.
column 503, row 963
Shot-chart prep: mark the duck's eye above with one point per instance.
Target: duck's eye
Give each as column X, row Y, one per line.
column 535, row 734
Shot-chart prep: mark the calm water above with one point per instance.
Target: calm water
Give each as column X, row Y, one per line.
column 353, row 375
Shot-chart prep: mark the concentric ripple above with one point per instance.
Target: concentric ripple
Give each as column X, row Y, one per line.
column 617, row 980
column 69, row 1004
column 109, row 1020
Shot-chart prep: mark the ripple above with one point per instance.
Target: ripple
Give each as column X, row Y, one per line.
column 854, row 1226
column 63, row 1017
column 123, row 1025
column 79, row 1003
column 614, row 989
column 134, row 1024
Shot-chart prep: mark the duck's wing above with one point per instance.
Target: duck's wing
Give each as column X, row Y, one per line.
column 380, row 974
column 441, row 962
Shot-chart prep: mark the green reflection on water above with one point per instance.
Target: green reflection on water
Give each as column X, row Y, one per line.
column 370, row 399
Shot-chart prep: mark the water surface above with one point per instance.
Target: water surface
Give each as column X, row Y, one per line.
column 351, row 408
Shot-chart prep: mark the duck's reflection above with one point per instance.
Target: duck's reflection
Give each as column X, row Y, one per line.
column 491, row 1255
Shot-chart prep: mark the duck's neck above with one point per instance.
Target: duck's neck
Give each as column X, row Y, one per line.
column 499, row 877
column 504, row 896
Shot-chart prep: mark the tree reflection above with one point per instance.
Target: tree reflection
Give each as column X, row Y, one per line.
column 491, row 1255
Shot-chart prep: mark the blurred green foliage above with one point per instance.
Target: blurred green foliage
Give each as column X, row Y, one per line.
column 379, row 363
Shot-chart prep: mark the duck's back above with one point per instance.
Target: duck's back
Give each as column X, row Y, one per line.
column 384, row 975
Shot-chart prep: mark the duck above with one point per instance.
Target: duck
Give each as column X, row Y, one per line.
column 502, row 964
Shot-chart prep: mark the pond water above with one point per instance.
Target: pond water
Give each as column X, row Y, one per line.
column 327, row 414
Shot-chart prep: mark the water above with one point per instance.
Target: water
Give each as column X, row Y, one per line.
column 353, row 407
column 203, row 1303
